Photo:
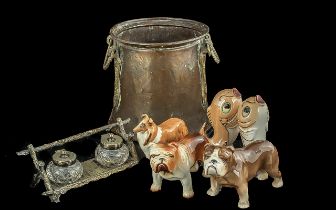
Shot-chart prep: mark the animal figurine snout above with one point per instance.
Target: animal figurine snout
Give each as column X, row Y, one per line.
column 161, row 167
column 213, row 161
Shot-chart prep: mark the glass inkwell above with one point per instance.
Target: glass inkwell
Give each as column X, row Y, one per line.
column 111, row 150
column 64, row 167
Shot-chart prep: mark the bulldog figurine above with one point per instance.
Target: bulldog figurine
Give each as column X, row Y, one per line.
column 148, row 132
column 253, row 117
column 231, row 167
column 175, row 161
column 222, row 114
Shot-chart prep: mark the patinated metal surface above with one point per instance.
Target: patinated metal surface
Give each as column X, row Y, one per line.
column 78, row 136
column 92, row 171
column 159, row 66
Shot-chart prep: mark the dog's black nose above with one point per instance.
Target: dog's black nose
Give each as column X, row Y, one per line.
column 213, row 161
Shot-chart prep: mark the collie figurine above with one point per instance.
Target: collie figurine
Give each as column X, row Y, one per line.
column 148, row 132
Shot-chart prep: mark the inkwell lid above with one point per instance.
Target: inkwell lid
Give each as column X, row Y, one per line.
column 111, row 141
column 64, row 158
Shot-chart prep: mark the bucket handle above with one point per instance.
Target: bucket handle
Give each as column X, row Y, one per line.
column 211, row 49
column 110, row 52
column 207, row 48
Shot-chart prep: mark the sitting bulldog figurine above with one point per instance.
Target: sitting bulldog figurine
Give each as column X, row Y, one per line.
column 231, row 167
column 175, row 161
column 148, row 132
column 222, row 114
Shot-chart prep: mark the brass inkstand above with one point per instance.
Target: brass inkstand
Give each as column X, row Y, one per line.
column 116, row 153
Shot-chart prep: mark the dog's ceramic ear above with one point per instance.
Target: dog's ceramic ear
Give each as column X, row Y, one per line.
column 207, row 153
column 226, row 152
column 236, row 92
column 150, row 121
column 260, row 100
column 143, row 116
column 208, row 149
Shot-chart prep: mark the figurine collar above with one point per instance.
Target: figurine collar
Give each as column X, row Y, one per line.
column 153, row 134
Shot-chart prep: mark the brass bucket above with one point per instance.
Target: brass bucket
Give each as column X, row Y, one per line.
column 159, row 66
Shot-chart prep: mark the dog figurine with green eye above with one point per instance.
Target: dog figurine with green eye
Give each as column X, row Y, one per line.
column 253, row 117
column 222, row 114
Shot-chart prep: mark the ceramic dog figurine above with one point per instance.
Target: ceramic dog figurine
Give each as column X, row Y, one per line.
column 222, row 114
column 148, row 132
column 175, row 161
column 231, row 167
column 253, row 117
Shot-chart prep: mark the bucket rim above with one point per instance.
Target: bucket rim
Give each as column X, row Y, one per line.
column 118, row 28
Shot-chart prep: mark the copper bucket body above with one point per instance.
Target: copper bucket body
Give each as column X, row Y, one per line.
column 159, row 66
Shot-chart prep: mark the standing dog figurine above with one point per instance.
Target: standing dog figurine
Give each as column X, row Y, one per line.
column 231, row 167
column 253, row 117
column 222, row 114
column 148, row 132
column 175, row 161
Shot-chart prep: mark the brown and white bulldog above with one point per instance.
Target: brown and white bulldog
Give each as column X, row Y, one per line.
column 148, row 132
column 231, row 167
column 175, row 161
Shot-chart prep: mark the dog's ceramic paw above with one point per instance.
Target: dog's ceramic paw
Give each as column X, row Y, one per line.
column 194, row 168
column 155, row 188
column 277, row 183
column 243, row 204
column 188, row 194
column 262, row 175
column 212, row 192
